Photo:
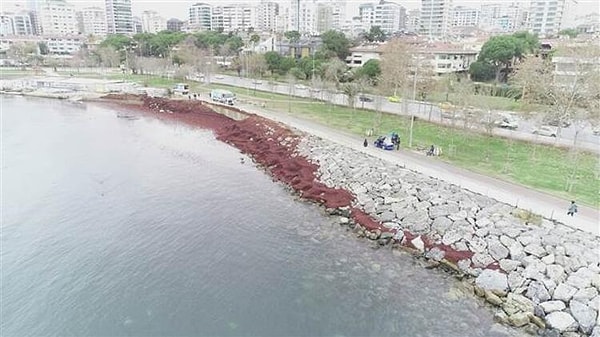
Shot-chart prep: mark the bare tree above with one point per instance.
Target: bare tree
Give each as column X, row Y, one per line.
column 529, row 74
column 396, row 64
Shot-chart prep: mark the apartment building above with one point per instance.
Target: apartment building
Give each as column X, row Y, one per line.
column 200, row 16
column 545, row 17
column 152, row 22
column 435, row 18
column 266, row 15
column 413, row 18
column 234, row 17
column 303, row 16
column 464, row 17
column 119, row 18
column 58, row 17
column 389, row 16
column 505, row 17
column 16, row 23
column 92, row 21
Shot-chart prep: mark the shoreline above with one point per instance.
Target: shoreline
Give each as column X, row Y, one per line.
column 542, row 275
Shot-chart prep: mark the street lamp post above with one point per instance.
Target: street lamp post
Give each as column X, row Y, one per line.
column 414, row 96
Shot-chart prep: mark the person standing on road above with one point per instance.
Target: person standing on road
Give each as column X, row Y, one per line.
column 365, row 143
column 572, row 209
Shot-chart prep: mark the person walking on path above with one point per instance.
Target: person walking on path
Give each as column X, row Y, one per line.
column 365, row 143
column 572, row 209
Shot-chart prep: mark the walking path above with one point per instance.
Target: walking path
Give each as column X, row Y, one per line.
column 587, row 219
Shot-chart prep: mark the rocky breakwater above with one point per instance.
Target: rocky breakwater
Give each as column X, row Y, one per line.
column 542, row 275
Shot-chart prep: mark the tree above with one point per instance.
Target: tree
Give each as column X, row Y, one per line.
column 293, row 36
column 108, row 56
column 500, row 51
column 375, row 34
column 116, row 41
column 531, row 75
column 335, row 44
column 24, row 52
column 481, row 71
column 395, row 64
column 254, row 39
column 371, row 71
column 334, row 70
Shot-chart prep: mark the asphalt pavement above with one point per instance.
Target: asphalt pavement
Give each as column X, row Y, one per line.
column 546, row 205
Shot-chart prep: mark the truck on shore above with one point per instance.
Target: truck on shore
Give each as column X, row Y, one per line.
column 222, row 96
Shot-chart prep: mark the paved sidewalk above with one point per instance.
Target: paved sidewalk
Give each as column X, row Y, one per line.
column 587, row 219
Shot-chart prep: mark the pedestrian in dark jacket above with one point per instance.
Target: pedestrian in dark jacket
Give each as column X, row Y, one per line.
column 365, row 143
column 572, row 209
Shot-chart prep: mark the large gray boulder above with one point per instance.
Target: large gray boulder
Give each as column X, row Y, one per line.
column 492, row 280
column 584, row 315
column 564, row 292
column 561, row 321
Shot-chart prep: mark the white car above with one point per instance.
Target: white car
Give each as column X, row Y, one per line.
column 219, row 77
column 300, row 86
column 546, row 130
column 256, row 82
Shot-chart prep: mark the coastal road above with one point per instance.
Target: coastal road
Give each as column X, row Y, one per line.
column 551, row 207
column 424, row 110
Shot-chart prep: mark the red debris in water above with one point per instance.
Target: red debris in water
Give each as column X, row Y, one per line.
column 270, row 144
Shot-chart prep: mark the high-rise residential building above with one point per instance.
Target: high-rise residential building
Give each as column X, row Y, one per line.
column 234, row 17
column 324, row 17
column 200, row 16
column 546, row 16
column 174, row 25
column 435, row 18
column 464, row 17
column 152, row 22
column 92, row 21
column 412, row 20
column 389, row 16
column 119, row 18
column 505, row 17
column 266, row 15
column 137, row 25
column 16, row 23
column 58, row 17
column 303, row 16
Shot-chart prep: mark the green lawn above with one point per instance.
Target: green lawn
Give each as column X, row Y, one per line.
column 541, row 167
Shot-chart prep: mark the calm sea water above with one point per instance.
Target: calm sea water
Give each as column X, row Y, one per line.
column 114, row 227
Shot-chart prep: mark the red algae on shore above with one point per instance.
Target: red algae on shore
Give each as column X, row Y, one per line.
column 270, row 144
column 273, row 147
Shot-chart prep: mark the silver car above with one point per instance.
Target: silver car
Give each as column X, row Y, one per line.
column 546, row 130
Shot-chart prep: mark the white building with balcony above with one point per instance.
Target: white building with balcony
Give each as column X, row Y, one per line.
column 545, row 17
column 435, row 18
column 152, row 22
column 119, row 18
column 389, row 16
column 200, row 17
column 58, row 17
column 266, row 16
column 16, row 24
column 465, row 17
column 93, row 21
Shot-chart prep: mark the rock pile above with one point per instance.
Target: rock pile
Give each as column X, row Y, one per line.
column 539, row 272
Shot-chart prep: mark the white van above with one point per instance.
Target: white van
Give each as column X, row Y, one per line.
column 222, row 96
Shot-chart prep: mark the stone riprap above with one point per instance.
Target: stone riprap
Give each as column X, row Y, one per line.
column 540, row 273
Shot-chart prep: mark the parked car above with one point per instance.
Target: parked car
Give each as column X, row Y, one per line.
column 394, row 99
column 300, row 86
column 257, row 82
column 596, row 131
column 223, row 96
column 507, row 123
column 364, row 98
column 219, row 77
column 546, row 130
